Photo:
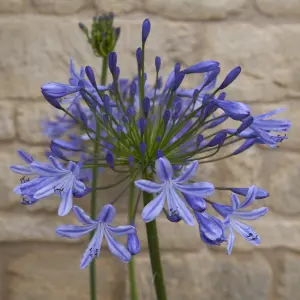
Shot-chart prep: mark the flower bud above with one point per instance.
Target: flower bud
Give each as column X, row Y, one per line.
column 145, row 30
column 202, row 67
column 157, row 63
column 90, row 75
column 133, row 243
column 110, row 159
column 146, row 106
column 142, row 125
column 139, row 58
column 143, row 148
column 112, row 63
column 231, row 76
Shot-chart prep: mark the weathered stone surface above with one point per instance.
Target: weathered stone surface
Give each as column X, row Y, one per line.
column 194, row 10
column 16, row 227
column 288, row 287
column 268, row 55
column 29, row 122
column 60, row 7
column 117, row 6
column 280, row 172
column 55, row 274
column 7, row 122
column 279, row 7
column 190, row 275
column 12, row 6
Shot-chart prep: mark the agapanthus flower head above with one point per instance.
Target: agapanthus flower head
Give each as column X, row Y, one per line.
column 155, row 134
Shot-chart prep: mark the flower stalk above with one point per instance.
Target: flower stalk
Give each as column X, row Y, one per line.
column 154, row 254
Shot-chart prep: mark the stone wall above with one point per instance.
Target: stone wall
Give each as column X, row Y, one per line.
column 37, row 37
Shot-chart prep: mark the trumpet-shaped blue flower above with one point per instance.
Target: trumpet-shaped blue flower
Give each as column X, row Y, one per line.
column 53, row 178
column 234, row 212
column 168, row 190
column 102, row 228
column 262, row 128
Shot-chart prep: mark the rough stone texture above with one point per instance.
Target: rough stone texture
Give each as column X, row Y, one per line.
column 194, row 10
column 29, row 122
column 190, row 275
column 11, row 6
column 60, row 7
column 288, row 287
column 277, row 8
column 117, row 6
column 20, row 227
column 7, row 122
column 267, row 53
column 281, row 170
column 56, row 275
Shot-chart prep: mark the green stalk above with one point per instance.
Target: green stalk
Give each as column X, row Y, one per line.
column 153, row 246
column 93, row 295
column 132, row 282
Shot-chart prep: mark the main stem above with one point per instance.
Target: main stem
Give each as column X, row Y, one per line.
column 153, row 246
column 133, row 290
column 93, row 295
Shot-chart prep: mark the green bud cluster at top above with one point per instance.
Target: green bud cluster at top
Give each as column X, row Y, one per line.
column 102, row 36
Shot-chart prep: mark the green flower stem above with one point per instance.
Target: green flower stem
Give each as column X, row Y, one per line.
column 153, row 246
column 93, row 295
column 132, row 282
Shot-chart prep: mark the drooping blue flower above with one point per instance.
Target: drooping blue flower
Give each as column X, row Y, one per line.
column 53, row 179
column 262, row 128
column 168, row 190
column 102, row 229
column 211, row 229
column 234, row 212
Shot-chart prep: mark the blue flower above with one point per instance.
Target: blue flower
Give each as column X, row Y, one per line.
column 53, row 178
column 102, row 228
column 233, row 212
column 168, row 189
column 211, row 229
column 261, row 128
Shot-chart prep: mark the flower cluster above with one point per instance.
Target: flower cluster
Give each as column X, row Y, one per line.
column 155, row 135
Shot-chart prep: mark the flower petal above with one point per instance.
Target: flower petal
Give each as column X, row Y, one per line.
column 23, row 170
column 121, row 230
column 93, row 248
column 246, row 231
column 107, row 214
column 82, row 216
column 79, row 186
column 74, row 231
column 116, row 248
column 154, row 207
column 187, row 173
column 45, row 169
column 163, row 169
column 235, row 202
column 148, row 186
column 230, row 242
column 251, row 215
column 199, row 189
column 66, row 202
column 181, row 208
column 250, row 197
column 48, row 188
column 25, row 156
